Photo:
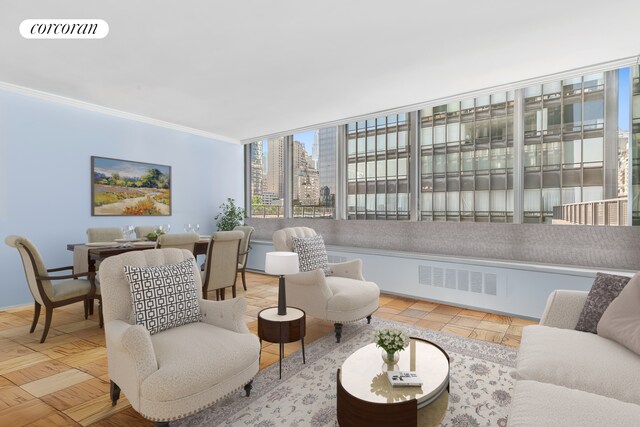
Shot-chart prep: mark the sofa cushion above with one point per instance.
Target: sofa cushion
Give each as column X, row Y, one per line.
column 195, row 357
column 621, row 321
column 579, row 360
column 164, row 296
column 312, row 253
column 537, row 404
column 605, row 288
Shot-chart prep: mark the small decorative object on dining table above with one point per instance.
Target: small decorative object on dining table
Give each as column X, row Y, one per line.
column 391, row 341
column 154, row 235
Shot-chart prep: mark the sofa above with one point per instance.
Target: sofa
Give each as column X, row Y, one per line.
column 566, row 377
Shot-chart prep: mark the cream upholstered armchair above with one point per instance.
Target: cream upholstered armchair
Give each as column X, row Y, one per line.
column 341, row 297
column 178, row 371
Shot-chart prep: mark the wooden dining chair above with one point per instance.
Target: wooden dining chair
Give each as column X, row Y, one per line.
column 104, row 234
column 143, row 230
column 220, row 270
column 178, row 240
column 244, row 251
column 49, row 294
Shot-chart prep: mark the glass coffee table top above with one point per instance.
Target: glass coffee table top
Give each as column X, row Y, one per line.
column 364, row 374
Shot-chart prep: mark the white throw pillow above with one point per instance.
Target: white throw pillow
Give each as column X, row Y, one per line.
column 621, row 320
column 165, row 296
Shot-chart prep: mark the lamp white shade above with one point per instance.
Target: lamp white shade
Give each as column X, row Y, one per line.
column 281, row 263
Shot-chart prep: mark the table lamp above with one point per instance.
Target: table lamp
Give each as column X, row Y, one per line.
column 281, row 263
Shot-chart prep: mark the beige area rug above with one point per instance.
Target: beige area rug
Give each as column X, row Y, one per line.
column 480, row 385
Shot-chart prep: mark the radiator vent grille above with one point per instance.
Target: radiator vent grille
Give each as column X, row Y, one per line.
column 459, row 279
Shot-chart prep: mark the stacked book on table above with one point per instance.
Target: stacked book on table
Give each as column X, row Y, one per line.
column 404, row 378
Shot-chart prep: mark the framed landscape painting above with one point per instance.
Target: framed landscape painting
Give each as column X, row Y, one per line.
column 125, row 187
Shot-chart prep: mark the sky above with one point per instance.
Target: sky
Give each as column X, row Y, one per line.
column 307, row 138
column 125, row 168
column 623, row 99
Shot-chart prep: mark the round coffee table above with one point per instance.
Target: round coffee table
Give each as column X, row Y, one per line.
column 366, row 397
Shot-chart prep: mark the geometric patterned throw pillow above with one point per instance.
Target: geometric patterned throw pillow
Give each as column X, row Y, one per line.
column 605, row 288
column 312, row 254
column 164, row 296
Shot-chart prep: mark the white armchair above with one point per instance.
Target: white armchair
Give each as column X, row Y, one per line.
column 179, row 371
column 342, row 297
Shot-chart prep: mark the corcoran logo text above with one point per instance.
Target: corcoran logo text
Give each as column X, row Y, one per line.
column 64, row 29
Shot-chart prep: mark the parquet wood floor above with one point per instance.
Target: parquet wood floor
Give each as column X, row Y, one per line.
column 64, row 382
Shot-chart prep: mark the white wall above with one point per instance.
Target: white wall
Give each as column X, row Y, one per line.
column 45, row 172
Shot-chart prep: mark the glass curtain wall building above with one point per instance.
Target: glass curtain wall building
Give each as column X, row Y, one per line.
column 378, row 168
column 577, row 159
column 466, row 153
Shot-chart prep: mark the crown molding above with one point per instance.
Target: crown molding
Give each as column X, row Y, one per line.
column 46, row 96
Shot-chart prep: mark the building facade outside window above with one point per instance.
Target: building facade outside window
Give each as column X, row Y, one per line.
column 378, row 168
column 314, row 173
column 577, row 147
column 267, row 163
column 466, row 153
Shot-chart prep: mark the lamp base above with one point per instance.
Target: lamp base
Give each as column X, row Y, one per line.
column 282, row 298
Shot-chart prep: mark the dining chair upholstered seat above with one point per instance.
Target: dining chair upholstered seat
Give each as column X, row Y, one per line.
column 52, row 291
column 104, row 234
column 178, row 240
column 143, row 230
column 179, row 371
column 244, row 251
column 220, row 268
column 341, row 297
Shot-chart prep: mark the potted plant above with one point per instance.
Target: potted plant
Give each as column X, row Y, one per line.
column 230, row 217
column 391, row 341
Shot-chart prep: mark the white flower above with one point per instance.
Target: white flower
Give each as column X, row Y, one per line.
column 391, row 340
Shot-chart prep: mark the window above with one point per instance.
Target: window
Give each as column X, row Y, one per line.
column 466, row 158
column 267, row 178
column 465, row 152
column 378, row 152
column 314, row 173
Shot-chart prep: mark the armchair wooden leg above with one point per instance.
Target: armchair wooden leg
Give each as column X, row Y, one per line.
column 233, row 291
column 47, row 323
column 100, row 313
column 114, row 393
column 244, row 281
column 368, row 319
column 162, row 424
column 86, row 309
column 248, row 387
column 91, row 307
column 36, row 316
column 338, row 328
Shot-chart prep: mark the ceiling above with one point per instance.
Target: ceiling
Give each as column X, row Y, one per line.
column 246, row 68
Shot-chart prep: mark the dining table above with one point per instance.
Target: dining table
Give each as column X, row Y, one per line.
column 100, row 253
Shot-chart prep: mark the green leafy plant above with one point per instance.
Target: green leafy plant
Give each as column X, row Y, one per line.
column 230, row 217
